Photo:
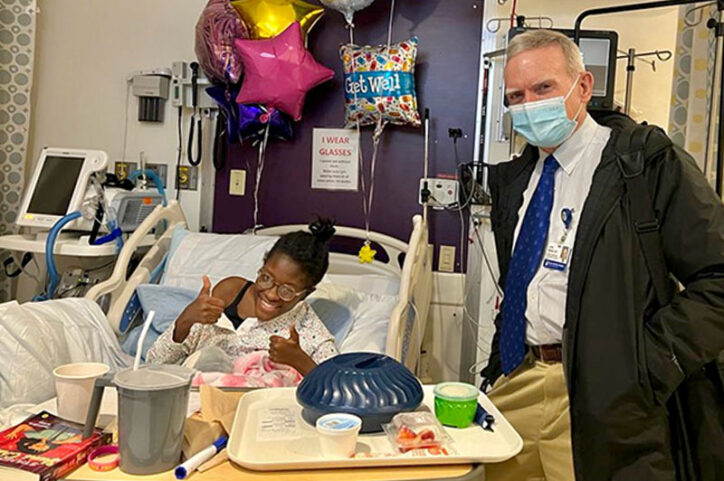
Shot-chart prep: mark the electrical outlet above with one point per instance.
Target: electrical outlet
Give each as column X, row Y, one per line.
column 122, row 169
column 446, row 261
column 237, row 182
column 188, row 177
column 443, row 192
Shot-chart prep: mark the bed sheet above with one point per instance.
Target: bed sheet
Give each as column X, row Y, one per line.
column 36, row 337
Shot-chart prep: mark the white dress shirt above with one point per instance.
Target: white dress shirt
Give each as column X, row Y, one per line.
column 578, row 158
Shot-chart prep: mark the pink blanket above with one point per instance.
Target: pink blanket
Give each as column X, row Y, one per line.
column 252, row 370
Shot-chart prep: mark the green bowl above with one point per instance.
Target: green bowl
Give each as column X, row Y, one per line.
column 455, row 403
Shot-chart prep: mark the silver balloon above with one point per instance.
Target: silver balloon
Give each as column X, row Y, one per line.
column 347, row 7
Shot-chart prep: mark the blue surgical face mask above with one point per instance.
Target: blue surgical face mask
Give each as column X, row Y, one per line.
column 545, row 123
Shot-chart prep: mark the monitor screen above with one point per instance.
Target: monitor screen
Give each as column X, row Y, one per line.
column 55, row 186
column 595, row 57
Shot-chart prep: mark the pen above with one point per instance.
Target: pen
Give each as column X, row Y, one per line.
column 199, row 458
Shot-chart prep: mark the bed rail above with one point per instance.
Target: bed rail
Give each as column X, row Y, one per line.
column 409, row 317
column 117, row 292
column 347, row 263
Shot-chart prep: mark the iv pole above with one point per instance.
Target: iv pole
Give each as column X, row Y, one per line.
column 716, row 24
column 631, row 57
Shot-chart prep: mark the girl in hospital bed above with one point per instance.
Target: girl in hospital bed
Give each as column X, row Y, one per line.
column 275, row 326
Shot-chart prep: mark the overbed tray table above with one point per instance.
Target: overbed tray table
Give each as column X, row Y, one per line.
column 229, row 471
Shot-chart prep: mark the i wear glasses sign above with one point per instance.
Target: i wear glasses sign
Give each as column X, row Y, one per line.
column 335, row 159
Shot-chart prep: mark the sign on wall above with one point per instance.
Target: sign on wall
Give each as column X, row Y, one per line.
column 335, row 159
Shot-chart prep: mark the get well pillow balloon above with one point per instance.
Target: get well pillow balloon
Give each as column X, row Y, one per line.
column 279, row 71
column 379, row 84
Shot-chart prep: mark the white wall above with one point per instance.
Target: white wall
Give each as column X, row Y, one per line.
column 85, row 51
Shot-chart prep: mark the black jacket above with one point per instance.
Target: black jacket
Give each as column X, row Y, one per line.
column 618, row 369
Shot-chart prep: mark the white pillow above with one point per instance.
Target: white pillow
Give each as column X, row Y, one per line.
column 216, row 255
column 369, row 316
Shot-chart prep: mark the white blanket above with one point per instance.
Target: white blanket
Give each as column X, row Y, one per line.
column 37, row 337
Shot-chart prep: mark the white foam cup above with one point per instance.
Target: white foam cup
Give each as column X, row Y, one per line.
column 74, row 386
column 338, row 434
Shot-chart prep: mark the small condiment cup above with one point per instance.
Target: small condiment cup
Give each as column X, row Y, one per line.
column 338, row 434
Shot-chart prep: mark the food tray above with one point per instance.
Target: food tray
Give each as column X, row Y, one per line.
column 269, row 434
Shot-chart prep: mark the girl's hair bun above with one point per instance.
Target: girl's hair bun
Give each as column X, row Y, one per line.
column 322, row 229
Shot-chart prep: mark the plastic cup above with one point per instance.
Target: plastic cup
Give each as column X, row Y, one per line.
column 455, row 403
column 74, row 386
column 338, row 434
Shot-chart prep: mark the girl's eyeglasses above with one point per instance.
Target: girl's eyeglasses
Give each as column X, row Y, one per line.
column 285, row 292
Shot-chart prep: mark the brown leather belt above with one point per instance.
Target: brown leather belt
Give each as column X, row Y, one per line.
column 548, row 352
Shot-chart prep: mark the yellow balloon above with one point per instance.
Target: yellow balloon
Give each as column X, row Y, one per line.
column 269, row 18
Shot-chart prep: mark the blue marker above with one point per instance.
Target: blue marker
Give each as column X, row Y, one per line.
column 484, row 418
column 190, row 465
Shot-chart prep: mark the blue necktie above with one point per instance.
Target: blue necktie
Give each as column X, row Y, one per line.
column 523, row 266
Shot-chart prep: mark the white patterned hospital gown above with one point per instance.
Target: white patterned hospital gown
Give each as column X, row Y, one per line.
column 252, row 335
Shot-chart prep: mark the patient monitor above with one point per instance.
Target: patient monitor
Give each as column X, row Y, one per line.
column 59, row 185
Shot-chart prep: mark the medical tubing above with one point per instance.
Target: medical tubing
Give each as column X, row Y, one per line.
column 190, row 147
column 195, row 104
column 154, row 177
column 50, row 245
column 113, row 235
column 179, row 150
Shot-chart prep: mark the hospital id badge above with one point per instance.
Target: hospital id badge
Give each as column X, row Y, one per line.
column 556, row 257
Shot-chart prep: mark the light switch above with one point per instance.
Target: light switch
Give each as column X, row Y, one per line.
column 237, row 182
column 446, row 261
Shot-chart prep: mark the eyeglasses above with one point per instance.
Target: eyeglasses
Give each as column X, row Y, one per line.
column 285, row 292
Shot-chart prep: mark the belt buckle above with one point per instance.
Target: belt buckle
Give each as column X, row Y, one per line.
column 542, row 354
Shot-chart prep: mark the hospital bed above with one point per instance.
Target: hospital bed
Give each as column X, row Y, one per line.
column 404, row 268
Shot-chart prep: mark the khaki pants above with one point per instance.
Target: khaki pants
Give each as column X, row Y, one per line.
column 534, row 399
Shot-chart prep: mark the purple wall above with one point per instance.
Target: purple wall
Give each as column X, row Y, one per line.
column 446, row 78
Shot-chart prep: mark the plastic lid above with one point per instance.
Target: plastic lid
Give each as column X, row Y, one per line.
column 339, row 423
column 456, row 391
column 154, row 378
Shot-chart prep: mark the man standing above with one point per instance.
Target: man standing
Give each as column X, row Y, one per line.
column 589, row 346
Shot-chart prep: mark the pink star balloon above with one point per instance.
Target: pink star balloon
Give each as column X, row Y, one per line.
column 278, row 72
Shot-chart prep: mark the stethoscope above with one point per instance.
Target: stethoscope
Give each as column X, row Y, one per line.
column 196, row 115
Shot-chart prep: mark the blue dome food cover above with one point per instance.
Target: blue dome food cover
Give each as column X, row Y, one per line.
column 372, row 386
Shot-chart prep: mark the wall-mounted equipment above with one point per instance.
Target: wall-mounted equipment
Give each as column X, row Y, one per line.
column 152, row 92
column 599, row 49
column 182, row 87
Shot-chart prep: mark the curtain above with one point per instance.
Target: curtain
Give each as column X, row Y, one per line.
column 692, row 86
column 17, row 44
